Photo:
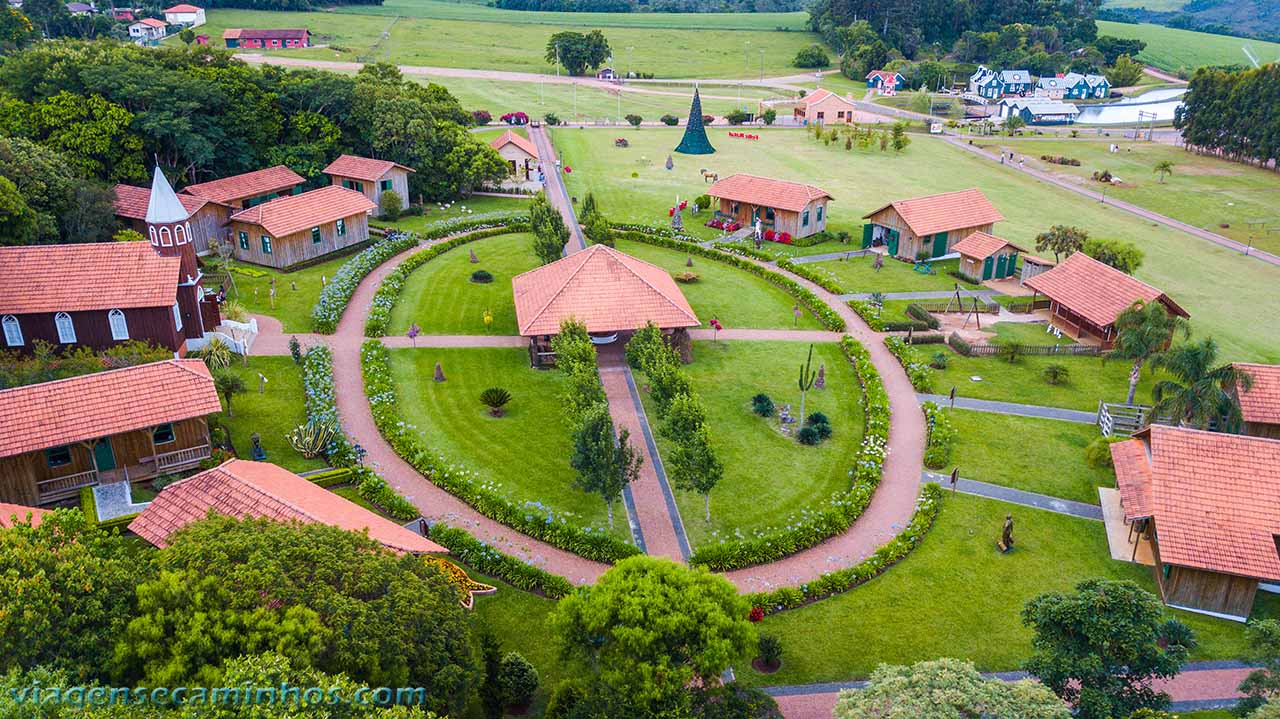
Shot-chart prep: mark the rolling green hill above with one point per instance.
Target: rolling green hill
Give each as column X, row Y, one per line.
column 1172, row 49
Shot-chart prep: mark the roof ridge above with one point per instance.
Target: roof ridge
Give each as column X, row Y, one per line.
column 651, row 286
column 91, row 375
column 1153, row 288
column 585, row 254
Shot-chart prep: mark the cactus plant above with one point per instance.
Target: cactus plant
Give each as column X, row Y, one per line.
column 311, row 439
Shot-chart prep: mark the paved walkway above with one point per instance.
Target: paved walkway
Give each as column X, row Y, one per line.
column 1020, row 410
column 655, row 506
column 1016, row 496
column 555, row 189
column 1201, row 685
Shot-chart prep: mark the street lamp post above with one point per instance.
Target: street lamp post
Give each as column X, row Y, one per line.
column 761, row 64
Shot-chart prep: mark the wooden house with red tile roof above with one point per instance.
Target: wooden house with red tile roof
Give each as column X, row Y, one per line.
column 608, row 291
column 798, row 209
column 208, row 219
column 371, row 177
column 1208, row 504
column 823, row 106
column 13, row 513
column 243, row 489
column 887, row 81
column 250, row 188
column 1260, row 404
column 520, row 154
column 296, row 229
column 120, row 425
column 268, row 38
column 984, row 256
column 1086, row 296
column 929, row 226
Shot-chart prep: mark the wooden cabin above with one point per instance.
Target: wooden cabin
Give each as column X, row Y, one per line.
column 1207, row 504
column 520, row 154
column 250, row 188
column 208, row 219
column 794, row 208
column 1086, row 296
column 127, row 424
column 265, row 38
column 1260, row 404
column 987, row 257
column 371, row 178
column 1032, row 266
column 926, row 227
column 289, row 231
column 886, row 81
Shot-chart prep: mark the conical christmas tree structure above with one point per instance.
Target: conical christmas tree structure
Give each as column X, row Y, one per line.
column 695, row 140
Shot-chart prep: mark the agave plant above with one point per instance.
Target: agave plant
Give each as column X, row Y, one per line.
column 217, row 354
column 311, row 439
column 495, row 398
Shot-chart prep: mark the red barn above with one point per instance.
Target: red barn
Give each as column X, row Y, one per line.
column 257, row 39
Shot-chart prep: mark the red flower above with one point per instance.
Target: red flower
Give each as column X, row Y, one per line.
column 784, row 238
column 756, row 615
column 770, row 235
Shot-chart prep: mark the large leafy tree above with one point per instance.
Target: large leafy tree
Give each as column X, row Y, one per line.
column 1125, row 72
column 325, row 598
column 603, row 466
column 578, row 51
column 1099, row 647
column 1263, row 683
column 549, row 231
column 946, row 688
column 66, row 593
column 68, row 207
column 93, row 133
column 19, row 224
column 1198, row 392
column 649, row 629
column 1061, row 240
column 1124, row 256
column 1143, row 331
column 695, row 466
column 16, row 30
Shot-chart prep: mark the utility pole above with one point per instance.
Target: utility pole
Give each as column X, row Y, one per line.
column 761, row 64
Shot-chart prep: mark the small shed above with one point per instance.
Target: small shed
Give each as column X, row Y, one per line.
column 928, row 226
column 370, row 177
column 1260, row 404
column 289, row 231
column 606, row 74
column 520, row 153
column 1032, row 266
column 798, row 209
column 984, row 257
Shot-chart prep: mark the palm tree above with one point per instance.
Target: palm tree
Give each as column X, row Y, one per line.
column 1143, row 331
column 1164, row 167
column 228, row 384
column 1199, row 392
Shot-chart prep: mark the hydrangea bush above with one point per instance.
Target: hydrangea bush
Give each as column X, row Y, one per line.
column 918, row 371
column 485, row 559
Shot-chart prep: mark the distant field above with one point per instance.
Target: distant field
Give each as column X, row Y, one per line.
column 1171, row 49
column 436, row 9
column 1153, row 5
column 705, row 50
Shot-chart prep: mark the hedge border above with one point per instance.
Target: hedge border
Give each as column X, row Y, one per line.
column 811, row 528
column 530, row 518
column 918, row 371
column 942, row 435
column 388, row 294
column 487, row 560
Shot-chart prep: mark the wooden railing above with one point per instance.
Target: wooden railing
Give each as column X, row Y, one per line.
column 62, row 487
column 181, row 459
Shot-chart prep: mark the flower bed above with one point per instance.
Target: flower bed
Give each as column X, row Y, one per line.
column 726, row 225
column 335, row 295
column 918, row 371
column 530, row 518
column 827, row 316
column 942, row 435
column 388, row 294
column 868, row 313
column 841, row 580
column 817, row 277
column 487, row 560
column 321, row 403
column 809, row 527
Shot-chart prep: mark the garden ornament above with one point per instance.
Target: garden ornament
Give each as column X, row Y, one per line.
column 256, row 451
column 439, row 376
column 1006, row 536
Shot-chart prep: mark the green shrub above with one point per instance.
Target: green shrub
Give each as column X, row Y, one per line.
column 495, row 398
column 808, row 435
column 670, row 120
column 920, row 313
column 920, row 374
column 703, row 201
column 762, row 405
column 959, row 344
column 519, row 680
column 736, row 116
column 376, row 490
column 818, row 418
column 1010, row 352
column 485, row 559
column 942, row 436
column 1097, row 454
column 770, row 648
column 389, row 203
column 635, row 120
column 939, row 361
column 823, row 430
column 483, row 277
column 564, row 698
column 551, row 119
column 1055, row 373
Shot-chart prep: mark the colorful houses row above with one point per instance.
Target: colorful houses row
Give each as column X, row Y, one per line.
column 266, row 38
column 989, row 84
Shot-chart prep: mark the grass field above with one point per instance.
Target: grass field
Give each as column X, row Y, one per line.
column 1026, row 333
column 738, row 299
column 1172, row 49
column 519, row 620
column 858, row 274
column 956, row 596
column 1203, row 191
column 441, row 298
column 526, row 452
column 1189, row 269
column 1090, row 380
column 477, row 204
column 478, row 11
column 292, row 306
column 694, row 48
column 1037, row 455
column 726, row 376
column 272, row 414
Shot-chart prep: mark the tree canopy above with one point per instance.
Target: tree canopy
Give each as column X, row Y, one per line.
column 1234, row 113
column 946, row 689
column 578, row 52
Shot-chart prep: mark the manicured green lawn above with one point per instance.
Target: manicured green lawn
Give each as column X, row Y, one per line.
column 526, row 452
column 1189, row 269
column 957, row 596
column 1037, row 455
column 481, row 11
column 1026, row 333
column 272, row 414
column 726, row 375
column 858, row 274
column 519, row 618
column 478, row 204
column 441, row 298
column 292, row 306
column 1204, row 191
column 735, row 297
column 1090, row 380
column 1172, row 49
column 351, row 494
column 780, row 251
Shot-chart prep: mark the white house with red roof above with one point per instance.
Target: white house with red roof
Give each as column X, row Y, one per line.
column 126, row 424
column 795, row 208
column 370, row 177
column 148, row 30
column 291, row 230
column 185, row 15
column 520, row 154
column 929, row 226
column 886, row 81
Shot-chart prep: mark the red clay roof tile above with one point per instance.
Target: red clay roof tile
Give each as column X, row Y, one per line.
column 249, row 184
column 601, row 287
column 131, row 202
column 9, row 511
column 90, row 276
column 520, row 141
column 294, row 213
column 948, row 211
column 361, row 168
column 767, row 192
column 96, row 405
column 1262, row 402
column 1096, row 291
column 980, row 245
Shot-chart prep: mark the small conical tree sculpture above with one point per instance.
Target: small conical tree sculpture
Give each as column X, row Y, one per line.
column 439, row 376
column 807, row 377
column 695, row 140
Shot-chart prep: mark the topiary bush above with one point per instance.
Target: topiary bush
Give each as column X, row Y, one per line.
column 762, row 405
column 495, row 398
column 670, row 120
column 482, row 277
column 519, row 680
column 808, row 436
column 818, row 418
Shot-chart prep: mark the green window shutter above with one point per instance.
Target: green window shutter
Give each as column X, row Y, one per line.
column 804, row 219
column 266, row 244
column 819, row 213
column 315, row 235
column 342, row 228
column 385, row 185
column 244, row 240
column 360, row 187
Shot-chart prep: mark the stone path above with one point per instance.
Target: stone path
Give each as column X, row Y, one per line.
column 1016, row 496
column 925, row 295
column 1201, row 685
column 555, row 189
column 655, row 506
column 1020, row 410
